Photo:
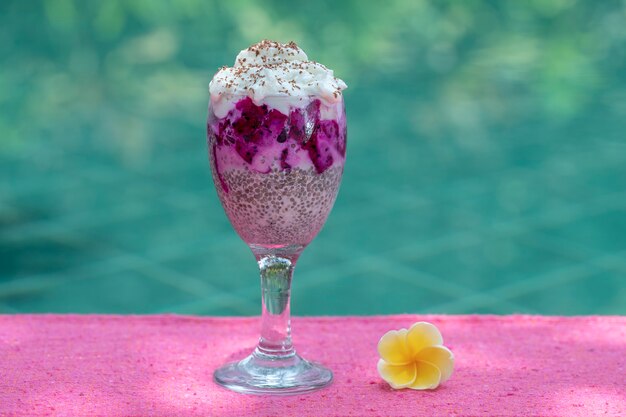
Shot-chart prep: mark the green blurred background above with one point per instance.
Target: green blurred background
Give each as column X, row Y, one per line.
column 486, row 160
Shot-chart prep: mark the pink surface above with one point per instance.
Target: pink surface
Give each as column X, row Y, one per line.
column 162, row 366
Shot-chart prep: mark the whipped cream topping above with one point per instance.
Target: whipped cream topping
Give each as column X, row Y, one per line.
column 276, row 74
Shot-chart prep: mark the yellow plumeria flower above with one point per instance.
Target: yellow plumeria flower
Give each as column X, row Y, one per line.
column 414, row 358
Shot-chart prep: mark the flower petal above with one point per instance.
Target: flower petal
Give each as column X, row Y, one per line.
column 441, row 357
column 421, row 335
column 398, row 376
column 428, row 376
column 392, row 347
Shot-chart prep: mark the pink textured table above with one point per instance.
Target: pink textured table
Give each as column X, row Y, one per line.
column 162, row 366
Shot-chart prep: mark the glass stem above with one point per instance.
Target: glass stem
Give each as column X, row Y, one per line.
column 276, row 274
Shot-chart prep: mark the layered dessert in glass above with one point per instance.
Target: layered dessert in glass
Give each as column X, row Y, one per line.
column 277, row 142
column 277, row 145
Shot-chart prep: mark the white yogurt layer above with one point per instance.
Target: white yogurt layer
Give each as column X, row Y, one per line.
column 279, row 75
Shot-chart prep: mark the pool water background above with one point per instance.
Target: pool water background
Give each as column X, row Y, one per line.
column 486, row 164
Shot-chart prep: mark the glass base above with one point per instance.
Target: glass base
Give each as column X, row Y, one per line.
column 265, row 374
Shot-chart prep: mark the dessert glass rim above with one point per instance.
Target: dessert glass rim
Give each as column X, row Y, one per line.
column 272, row 96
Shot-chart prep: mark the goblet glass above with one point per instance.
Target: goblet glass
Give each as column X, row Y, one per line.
column 277, row 165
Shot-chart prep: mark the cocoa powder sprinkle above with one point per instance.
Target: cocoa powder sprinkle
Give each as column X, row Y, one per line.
column 273, row 57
